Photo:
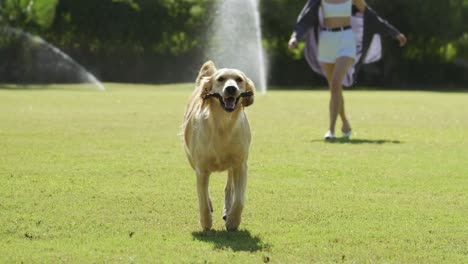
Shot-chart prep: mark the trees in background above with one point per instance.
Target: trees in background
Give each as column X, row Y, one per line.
column 133, row 40
column 163, row 40
column 31, row 14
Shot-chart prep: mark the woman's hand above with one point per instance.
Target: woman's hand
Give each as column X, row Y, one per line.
column 402, row 39
column 292, row 44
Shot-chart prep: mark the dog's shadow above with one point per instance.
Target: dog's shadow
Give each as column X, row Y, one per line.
column 237, row 241
column 358, row 141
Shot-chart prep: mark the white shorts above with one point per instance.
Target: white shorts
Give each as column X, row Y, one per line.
column 333, row 45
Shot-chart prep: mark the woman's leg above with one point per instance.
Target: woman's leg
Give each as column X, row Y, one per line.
column 335, row 74
column 328, row 69
column 345, row 128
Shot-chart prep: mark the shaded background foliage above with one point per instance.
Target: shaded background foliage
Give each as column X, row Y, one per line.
column 160, row 41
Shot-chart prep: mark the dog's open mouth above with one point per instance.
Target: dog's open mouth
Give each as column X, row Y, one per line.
column 228, row 103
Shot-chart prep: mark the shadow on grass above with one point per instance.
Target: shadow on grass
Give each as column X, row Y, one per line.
column 46, row 87
column 237, row 241
column 358, row 141
column 14, row 87
column 27, row 87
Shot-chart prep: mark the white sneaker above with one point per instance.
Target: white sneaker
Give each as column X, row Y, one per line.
column 329, row 135
column 347, row 134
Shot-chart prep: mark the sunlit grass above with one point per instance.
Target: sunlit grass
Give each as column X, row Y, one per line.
column 90, row 176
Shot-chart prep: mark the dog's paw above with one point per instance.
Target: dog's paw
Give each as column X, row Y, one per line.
column 232, row 224
column 232, row 228
column 206, row 223
column 206, row 227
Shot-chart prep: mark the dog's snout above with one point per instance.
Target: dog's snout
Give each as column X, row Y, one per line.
column 231, row 90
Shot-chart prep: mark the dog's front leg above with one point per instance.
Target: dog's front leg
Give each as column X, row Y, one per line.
column 240, row 181
column 228, row 194
column 204, row 201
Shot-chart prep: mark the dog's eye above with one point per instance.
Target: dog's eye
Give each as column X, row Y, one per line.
column 239, row 79
column 221, row 79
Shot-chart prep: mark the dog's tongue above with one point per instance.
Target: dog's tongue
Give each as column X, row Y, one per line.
column 230, row 102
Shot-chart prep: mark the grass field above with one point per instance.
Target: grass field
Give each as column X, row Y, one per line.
column 89, row 176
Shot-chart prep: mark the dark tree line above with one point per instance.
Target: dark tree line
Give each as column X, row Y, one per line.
column 161, row 41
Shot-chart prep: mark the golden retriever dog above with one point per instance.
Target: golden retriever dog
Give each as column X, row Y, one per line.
column 216, row 136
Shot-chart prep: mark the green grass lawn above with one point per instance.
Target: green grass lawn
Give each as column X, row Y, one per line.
column 89, row 176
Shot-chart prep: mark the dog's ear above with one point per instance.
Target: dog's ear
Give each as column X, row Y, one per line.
column 208, row 69
column 249, row 87
column 205, row 86
column 203, row 81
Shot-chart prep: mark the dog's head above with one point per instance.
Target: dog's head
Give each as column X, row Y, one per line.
column 230, row 86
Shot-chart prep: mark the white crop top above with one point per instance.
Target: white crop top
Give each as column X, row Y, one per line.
column 337, row 10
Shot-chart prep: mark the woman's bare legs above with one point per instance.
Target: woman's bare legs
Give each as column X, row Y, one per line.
column 346, row 127
column 335, row 73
